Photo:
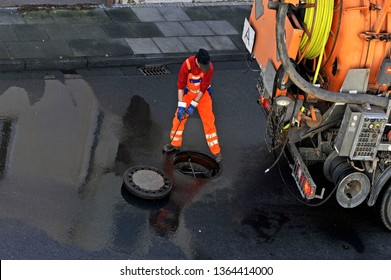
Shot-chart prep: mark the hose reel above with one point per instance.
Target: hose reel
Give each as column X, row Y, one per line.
column 352, row 187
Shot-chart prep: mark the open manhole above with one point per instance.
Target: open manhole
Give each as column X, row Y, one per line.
column 147, row 182
column 196, row 164
column 154, row 70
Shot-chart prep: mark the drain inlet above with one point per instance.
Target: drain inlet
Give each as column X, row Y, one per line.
column 154, row 70
column 196, row 164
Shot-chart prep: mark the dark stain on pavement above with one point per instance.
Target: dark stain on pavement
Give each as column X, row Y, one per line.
column 140, row 134
column 264, row 224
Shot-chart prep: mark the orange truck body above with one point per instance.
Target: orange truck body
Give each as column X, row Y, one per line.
column 353, row 49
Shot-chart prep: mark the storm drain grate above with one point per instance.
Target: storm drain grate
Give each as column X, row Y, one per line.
column 154, row 70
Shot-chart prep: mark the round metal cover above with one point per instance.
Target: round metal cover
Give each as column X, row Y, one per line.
column 147, row 182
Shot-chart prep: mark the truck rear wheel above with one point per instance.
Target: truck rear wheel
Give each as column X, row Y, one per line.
column 385, row 208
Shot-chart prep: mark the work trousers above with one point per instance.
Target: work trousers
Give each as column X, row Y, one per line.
column 208, row 121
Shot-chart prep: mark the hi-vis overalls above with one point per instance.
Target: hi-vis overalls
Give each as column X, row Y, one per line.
column 204, row 109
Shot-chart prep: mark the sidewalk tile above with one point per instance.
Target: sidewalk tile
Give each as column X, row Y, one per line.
column 142, row 45
column 241, row 11
column 198, row 13
column 33, row 32
column 118, row 30
column 89, row 31
column 174, row 14
column 86, row 47
column 95, row 16
column 145, row 30
column 3, row 51
column 37, row 17
column 66, row 16
column 115, row 47
column 60, row 31
column 10, row 17
column 238, row 41
column 222, row 27
column 221, row 43
column 220, row 12
column 237, row 23
column 170, row 45
column 55, row 49
column 193, row 44
column 197, row 28
column 22, row 50
column 122, row 15
column 7, row 33
column 148, row 14
column 171, row 29
column 48, row 49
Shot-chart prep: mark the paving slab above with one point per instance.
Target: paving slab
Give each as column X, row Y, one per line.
column 118, row 30
column 221, row 27
column 122, row 15
column 171, row 29
column 193, row 44
column 241, row 11
column 37, row 17
column 60, row 31
column 237, row 23
column 197, row 28
column 3, row 51
column 170, row 45
column 94, row 16
column 30, row 32
column 115, row 47
column 48, row 49
column 221, row 43
column 86, row 47
column 220, row 12
column 10, row 16
column 237, row 40
column 142, row 46
column 89, row 31
column 66, row 16
column 148, row 14
column 55, row 49
column 198, row 13
column 174, row 14
column 7, row 33
column 145, row 30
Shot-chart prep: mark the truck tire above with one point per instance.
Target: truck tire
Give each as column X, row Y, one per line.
column 385, row 208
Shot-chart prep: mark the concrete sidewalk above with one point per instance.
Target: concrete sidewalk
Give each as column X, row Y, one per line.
column 120, row 36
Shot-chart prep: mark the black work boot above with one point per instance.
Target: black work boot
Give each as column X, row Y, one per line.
column 218, row 157
column 168, row 148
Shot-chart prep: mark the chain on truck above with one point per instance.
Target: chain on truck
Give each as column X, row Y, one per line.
column 324, row 85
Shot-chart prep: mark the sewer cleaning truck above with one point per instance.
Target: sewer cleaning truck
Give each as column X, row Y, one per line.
column 324, row 85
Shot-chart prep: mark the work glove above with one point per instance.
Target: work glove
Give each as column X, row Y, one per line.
column 209, row 89
column 191, row 108
column 181, row 114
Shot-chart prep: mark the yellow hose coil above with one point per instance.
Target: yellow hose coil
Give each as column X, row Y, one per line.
column 319, row 29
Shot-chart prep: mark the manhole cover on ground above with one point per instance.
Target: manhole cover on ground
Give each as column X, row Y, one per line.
column 196, row 164
column 147, row 182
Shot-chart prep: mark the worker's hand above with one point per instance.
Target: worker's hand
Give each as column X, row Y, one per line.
column 191, row 108
column 181, row 114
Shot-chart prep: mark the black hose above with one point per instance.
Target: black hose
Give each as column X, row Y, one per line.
column 336, row 97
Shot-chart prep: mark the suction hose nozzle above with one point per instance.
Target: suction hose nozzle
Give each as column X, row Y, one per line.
column 336, row 97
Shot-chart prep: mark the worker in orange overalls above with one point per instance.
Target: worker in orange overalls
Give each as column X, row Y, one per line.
column 194, row 91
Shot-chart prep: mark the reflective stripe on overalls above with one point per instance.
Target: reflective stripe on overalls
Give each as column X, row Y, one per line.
column 204, row 109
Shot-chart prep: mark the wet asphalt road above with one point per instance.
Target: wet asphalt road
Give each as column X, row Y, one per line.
column 68, row 138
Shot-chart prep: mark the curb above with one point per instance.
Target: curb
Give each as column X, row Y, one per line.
column 33, row 64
